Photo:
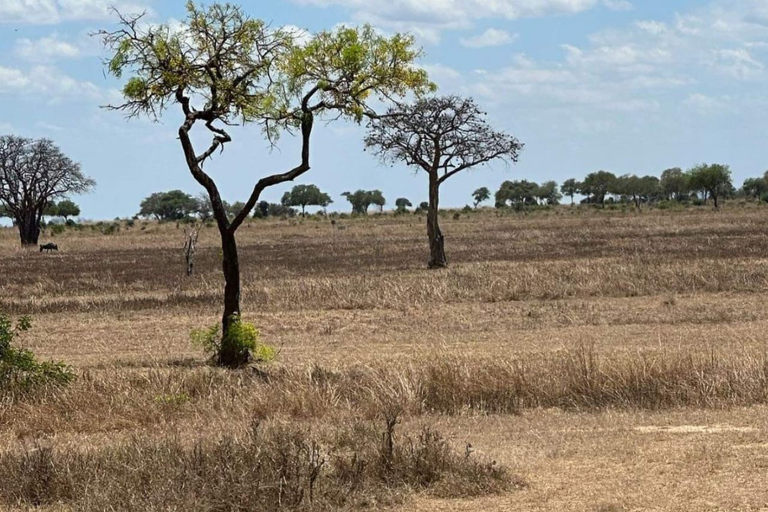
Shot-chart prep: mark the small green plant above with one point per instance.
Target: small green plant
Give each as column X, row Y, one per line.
column 19, row 369
column 173, row 399
column 243, row 336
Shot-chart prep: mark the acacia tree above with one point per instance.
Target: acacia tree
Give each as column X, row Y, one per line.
column 402, row 204
column 570, row 188
column 517, row 193
column 481, row 195
column 442, row 136
column 171, row 205
column 547, row 193
column 306, row 195
column 674, row 184
column 714, row 180
column 361, row 200
column 220, row 67
column 67, row 209
column 597, row 185
column 33, row 174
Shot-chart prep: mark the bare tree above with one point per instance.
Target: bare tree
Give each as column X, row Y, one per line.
column 191, row 235
column 442, row 136
column 33, row 174
column 222, row 67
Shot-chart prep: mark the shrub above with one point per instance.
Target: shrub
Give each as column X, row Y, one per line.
column 57, row 229
column 19, row 370
column 243, row 335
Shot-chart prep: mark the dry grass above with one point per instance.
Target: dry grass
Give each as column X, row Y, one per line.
column 647, row 320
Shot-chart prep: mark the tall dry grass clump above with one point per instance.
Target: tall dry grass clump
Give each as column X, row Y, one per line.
column 270, row 467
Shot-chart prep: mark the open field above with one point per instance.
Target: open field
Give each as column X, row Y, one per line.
column 610, row 361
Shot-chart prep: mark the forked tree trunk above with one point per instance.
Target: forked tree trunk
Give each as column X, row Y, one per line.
column 29, row 228
column 231, row 354
column 437, row 257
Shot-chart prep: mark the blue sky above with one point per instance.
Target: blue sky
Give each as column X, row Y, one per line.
column 630, row 86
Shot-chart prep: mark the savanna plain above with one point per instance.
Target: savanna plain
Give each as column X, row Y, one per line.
column 569, row 359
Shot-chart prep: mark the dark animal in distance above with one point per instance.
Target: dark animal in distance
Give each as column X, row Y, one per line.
column 49, row 247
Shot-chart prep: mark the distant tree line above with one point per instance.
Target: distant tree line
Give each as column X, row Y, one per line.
column 176, row 205
column 700, row 184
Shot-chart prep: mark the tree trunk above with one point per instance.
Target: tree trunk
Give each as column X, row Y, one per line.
column 714, row 198
column 29, row 228
column 231, row 354
column 437, row 257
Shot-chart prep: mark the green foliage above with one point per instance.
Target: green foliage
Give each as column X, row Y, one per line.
column 306, row 195
column 349, row 65
column 517, row 194
column 19, row 369
column 402, row 204
column 173, row 205
column 755, row 188
column 242, row 336
column 570, row 188
column 548, row 193
column 714, row 180
column 260, row 74
column 361, row 200
column 674, row 184
column 481, row 195
column 639, row 189
column 67, row 209
column 57, row 229
column 597, row 185
column 51, row 210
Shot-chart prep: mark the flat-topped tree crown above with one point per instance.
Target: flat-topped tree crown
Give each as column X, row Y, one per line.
column 442, row 136
column 222, row 67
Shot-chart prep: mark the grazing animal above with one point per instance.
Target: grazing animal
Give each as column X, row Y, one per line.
column 49, row 247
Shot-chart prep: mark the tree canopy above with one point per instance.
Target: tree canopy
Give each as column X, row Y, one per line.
column 402, row 204
column 33, row 174
column 570, row 188
column 517, row 193
column 442, row 136
column 67, row 209
column 306, row 195
column 597, row 185
column 172, row 205
column 361, row 200
column 674, row 184
column 481, row 195
column 713, row 179
column 222, row 68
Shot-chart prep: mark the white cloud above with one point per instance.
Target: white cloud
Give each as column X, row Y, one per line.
column 703, row 104
column 12, row 80
column 491, row 37
column 439, row 73
column 738, row 63
column 46, row 48
column 49, row 82
column 618, row 5
column 427, row 18
column 655, row 28
column 46, row 12
column 300, row 35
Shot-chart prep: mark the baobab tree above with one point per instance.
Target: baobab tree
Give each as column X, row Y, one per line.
column 221, row 67
column 33, row 174
column 442, row 136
